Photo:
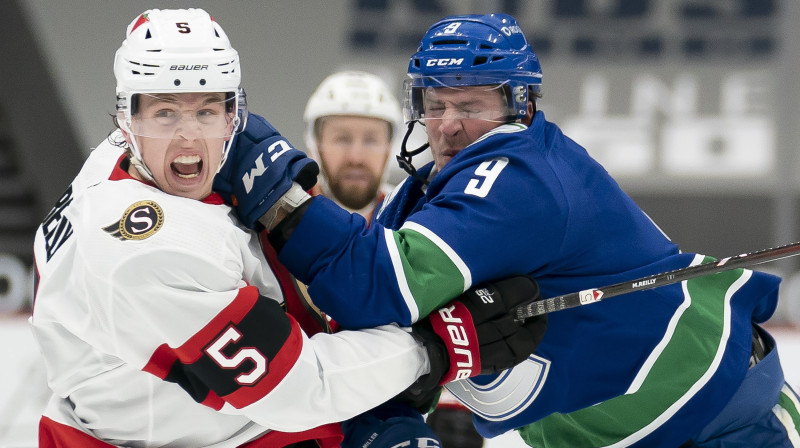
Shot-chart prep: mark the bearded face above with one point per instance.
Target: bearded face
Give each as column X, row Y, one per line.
column 353, row 153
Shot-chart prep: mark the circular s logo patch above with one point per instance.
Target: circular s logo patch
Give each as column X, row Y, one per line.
column 141, row 220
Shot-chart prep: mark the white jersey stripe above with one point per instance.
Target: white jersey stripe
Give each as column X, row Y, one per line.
column 400, row 275
column 656, row 353
column 696, row 387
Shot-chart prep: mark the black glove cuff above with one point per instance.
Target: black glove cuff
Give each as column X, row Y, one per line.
column 423, row 393
column 307, row 177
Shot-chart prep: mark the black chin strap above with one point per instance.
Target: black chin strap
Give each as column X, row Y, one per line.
column 404, row 159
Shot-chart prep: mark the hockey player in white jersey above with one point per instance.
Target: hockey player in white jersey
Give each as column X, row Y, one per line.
column 159, row 318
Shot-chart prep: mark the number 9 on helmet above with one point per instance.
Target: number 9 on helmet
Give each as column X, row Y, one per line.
column 474, row 50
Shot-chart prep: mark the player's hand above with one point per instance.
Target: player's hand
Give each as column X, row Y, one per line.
column 389, row 425
column 476, row 334
column 260, row 169
column 452, row 422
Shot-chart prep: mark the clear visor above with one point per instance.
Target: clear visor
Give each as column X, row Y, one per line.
column 440, row 100
column 170, row 116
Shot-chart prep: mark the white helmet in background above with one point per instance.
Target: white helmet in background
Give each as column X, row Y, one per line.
column 351, row 93
column 176, row 51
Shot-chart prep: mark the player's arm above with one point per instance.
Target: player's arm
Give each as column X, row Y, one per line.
column 190, row 320
column 400, row 275
column 238, row 352
column 455, row 241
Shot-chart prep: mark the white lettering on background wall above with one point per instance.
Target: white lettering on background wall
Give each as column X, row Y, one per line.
column 665, row 131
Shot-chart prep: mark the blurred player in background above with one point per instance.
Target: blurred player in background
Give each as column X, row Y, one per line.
column 352, row 120
column 507, row 192
column 159, row 318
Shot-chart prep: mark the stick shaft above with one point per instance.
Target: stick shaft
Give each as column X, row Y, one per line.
column 587, row 296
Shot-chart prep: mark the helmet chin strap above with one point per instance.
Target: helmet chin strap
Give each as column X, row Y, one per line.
column 237, row 122
column 141, row 168
column 405, row 156
column 136, row 153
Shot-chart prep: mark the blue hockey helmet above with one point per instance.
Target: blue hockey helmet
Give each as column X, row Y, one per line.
column 473, row 50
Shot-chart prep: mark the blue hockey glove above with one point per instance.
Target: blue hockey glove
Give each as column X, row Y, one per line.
column 389, row 425
column 261, row 167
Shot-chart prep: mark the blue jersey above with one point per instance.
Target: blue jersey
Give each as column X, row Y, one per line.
column 651, row 367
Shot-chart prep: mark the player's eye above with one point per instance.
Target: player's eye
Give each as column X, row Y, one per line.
column 207, row 115
column 166, row 116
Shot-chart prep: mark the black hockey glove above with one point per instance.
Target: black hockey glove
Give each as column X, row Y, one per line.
column 476, row 334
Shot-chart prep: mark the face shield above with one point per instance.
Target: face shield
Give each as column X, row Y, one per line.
column 209, row 115
column 201, row 115
column 479, row 98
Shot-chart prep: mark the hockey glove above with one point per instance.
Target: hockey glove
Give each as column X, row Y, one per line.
column 476, row 334
column 389, row 425
column 452, row 422
column 260, row 169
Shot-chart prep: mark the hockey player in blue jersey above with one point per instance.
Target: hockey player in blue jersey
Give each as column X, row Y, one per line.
column 508, row 193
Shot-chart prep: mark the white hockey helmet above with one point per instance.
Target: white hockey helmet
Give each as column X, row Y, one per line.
column 177, row 51
column 351, row 93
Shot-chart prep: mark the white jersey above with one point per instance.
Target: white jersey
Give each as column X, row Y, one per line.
column 160, row 324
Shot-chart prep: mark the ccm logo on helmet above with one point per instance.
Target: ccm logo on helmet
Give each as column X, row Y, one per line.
column 188, row 67
column 443, row 62
column 458, row 336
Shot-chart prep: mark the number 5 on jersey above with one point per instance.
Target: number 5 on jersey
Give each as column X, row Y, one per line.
column 232, row 335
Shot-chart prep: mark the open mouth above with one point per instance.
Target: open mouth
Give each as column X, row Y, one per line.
column 187, row 167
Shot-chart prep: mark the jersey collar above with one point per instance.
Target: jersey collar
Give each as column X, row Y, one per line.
column 120, row 172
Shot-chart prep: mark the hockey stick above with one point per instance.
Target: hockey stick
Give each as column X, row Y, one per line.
column 594, row 295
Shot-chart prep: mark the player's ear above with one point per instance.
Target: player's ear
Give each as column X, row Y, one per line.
column 127, row 136
column 229, row 131
column 122, row 125
column 528, row 119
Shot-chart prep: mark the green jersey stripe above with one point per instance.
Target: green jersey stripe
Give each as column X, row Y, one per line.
column 504, row 129
column 646, row 368
column 659, row 394
column 444, row 247
column 428, row 271
column 788, row 412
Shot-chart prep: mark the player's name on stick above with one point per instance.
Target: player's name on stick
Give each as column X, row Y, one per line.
column 587, row 296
